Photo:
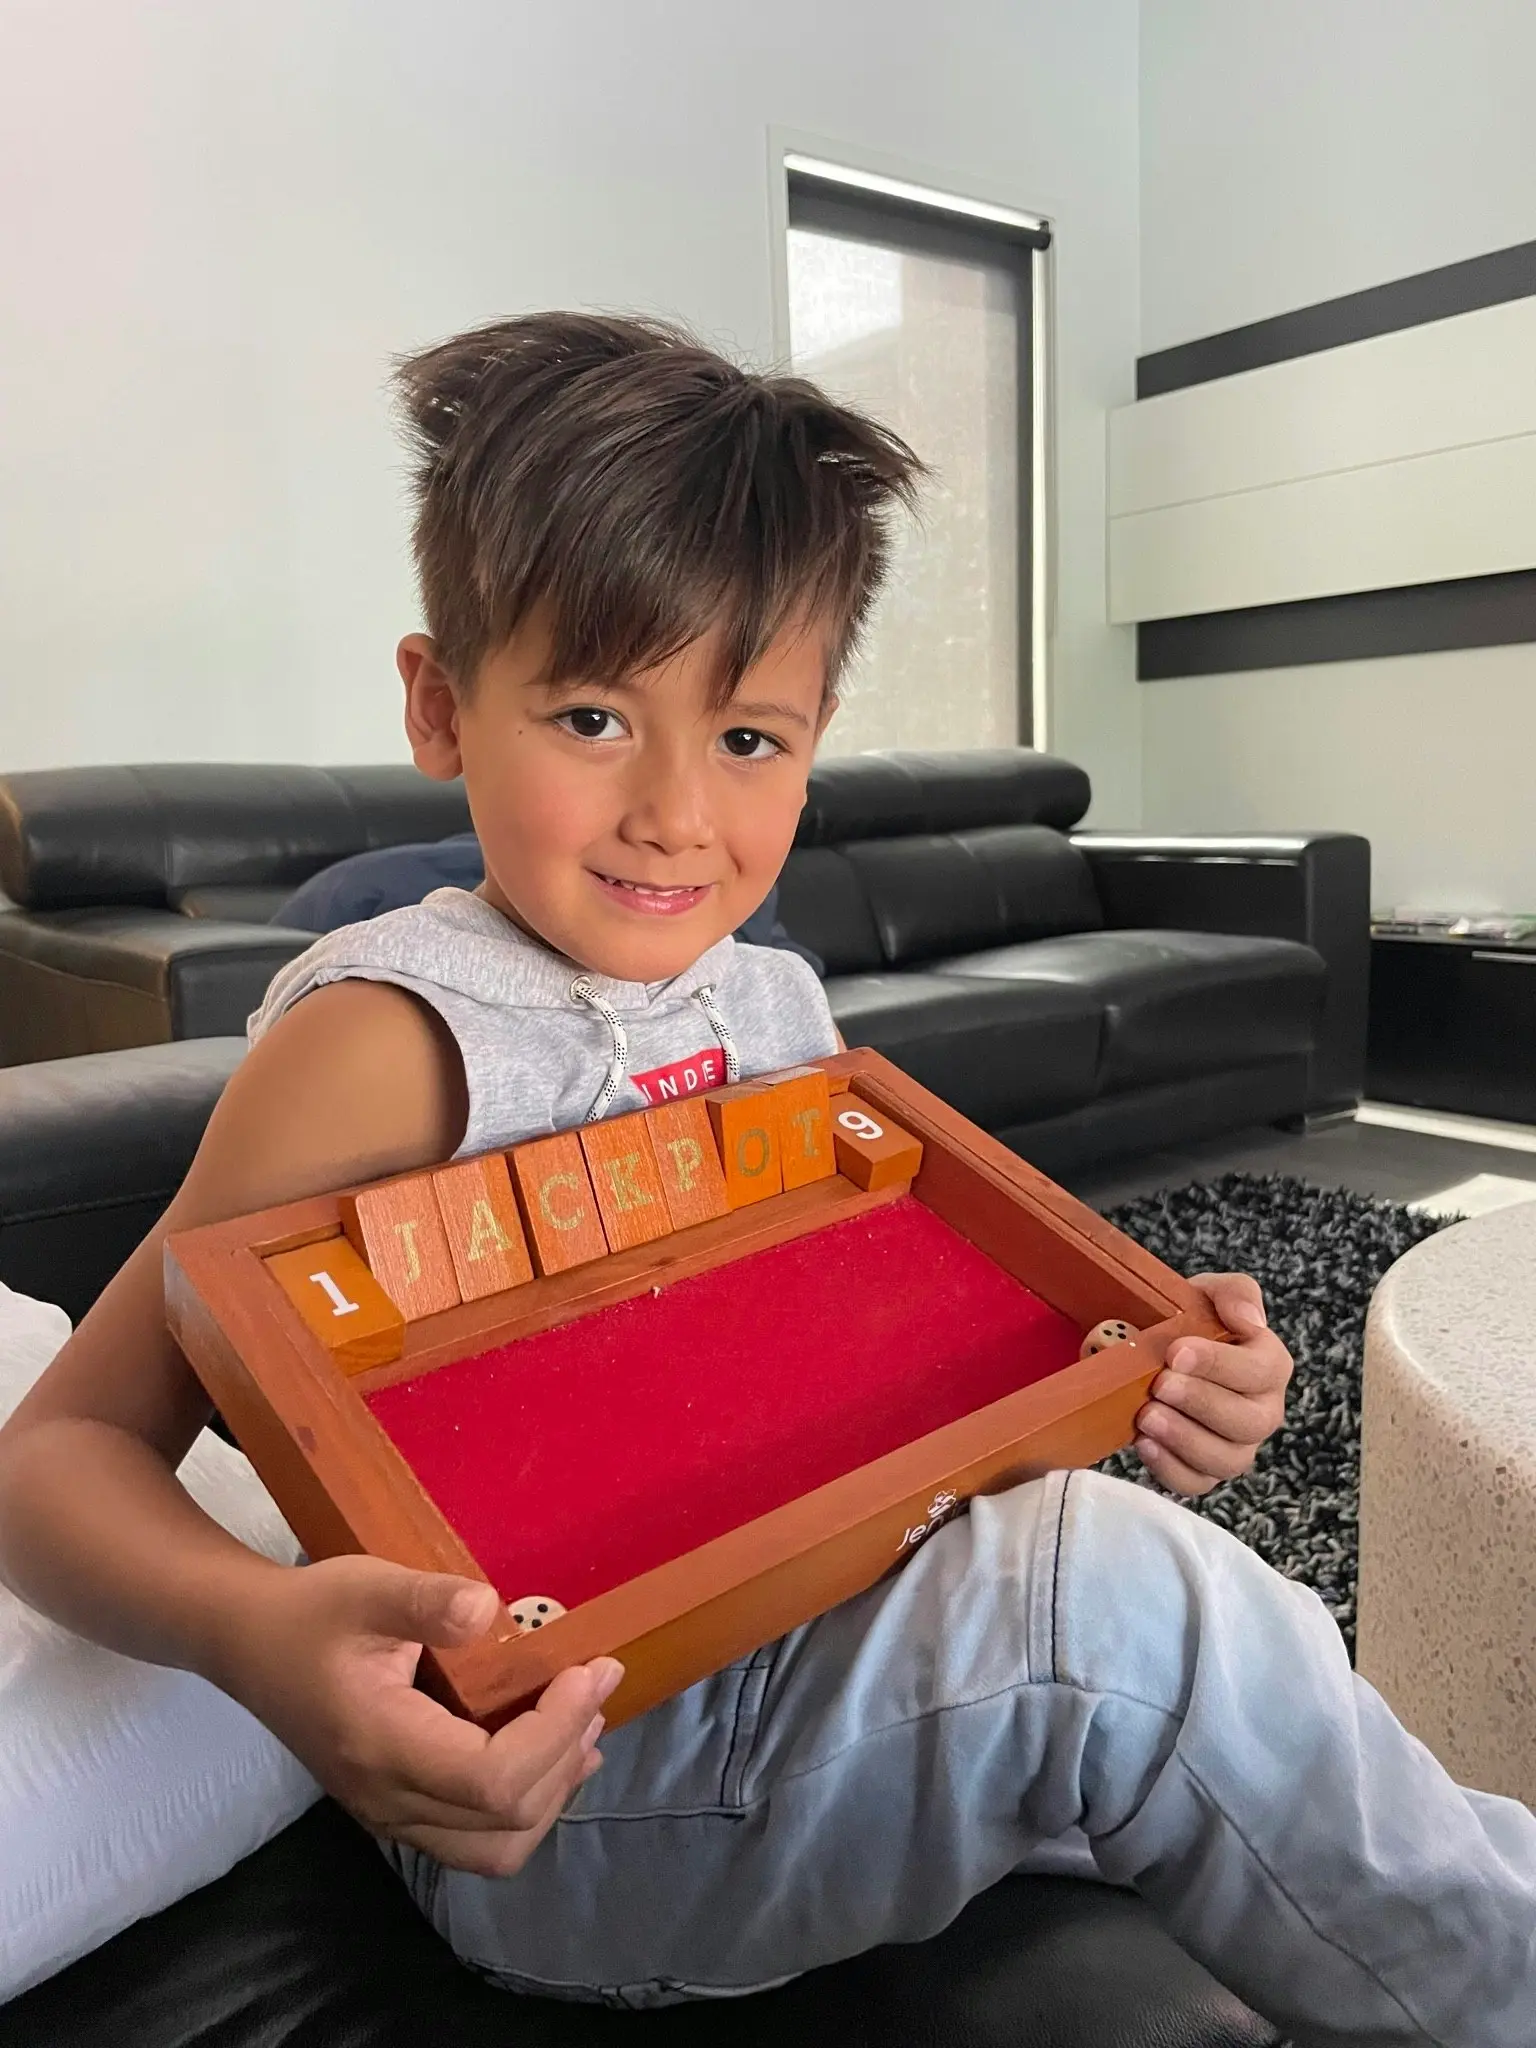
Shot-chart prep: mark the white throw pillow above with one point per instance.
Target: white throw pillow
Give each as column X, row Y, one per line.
column 122, row 1786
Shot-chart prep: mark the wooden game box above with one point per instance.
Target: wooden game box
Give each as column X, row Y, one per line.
column 697, row 1443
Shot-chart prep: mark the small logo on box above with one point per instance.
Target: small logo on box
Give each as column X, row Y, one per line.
column 941, row 1509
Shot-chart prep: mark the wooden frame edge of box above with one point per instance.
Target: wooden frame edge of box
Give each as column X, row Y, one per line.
column 344, row 1487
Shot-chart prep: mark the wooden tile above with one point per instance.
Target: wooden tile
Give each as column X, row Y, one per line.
column 342, row 1303
column 554, row 1196
column 871, row 1151
column 746, row 1132
column 630, row 1198
column 688, row 1163
column 398, row 1229
column 484, row 1230
column 804, row 1109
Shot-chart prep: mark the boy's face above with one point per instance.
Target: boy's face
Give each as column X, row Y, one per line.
column 632, row 825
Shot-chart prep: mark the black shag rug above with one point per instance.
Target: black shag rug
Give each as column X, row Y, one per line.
column 1318, row 1254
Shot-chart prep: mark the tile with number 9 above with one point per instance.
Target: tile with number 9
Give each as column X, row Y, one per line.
column 872, row 1151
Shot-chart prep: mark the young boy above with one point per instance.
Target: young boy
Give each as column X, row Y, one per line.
column 643, row 571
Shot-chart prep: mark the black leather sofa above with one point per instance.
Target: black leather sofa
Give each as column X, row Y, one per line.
column 311, row 1943
column 144, row 895
column 1080, row 995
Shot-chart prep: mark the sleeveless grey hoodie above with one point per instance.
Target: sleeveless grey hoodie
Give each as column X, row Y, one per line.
column 546, row 1045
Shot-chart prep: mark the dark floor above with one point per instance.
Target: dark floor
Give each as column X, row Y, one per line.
column 1402, row 1166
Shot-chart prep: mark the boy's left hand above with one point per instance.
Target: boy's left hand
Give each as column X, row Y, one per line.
column 1213, row 1404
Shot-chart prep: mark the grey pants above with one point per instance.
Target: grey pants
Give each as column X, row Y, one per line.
column 1077, row 1676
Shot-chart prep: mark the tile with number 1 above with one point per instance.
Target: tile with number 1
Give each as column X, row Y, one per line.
column 341, row 1302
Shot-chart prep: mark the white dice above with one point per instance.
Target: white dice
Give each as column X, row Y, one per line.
column 1102, row 1335
column 533, row 1611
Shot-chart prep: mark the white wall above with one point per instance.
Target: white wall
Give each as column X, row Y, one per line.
column 1292, row 154
column 218, row 218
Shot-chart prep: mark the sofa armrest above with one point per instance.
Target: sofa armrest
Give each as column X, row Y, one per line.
column 1313, row 887
column 91, row 1151
column 78, row 981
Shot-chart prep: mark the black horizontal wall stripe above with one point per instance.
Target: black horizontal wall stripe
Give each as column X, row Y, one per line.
column 1367, row 625
column 1384, row 309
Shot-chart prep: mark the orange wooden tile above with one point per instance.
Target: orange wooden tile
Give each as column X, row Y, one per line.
column 871, row 1151
column 484, row 1230
column 342, row 1303
column 804, row 1108
column 398, row 1229
column 688, row 1163
column 746, row 1131
column 554, row 1196
column 630, row 1198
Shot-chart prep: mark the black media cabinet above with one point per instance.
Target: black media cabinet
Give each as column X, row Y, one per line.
column 1453, row 1024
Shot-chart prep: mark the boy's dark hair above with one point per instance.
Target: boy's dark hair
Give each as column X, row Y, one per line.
column 644, row 487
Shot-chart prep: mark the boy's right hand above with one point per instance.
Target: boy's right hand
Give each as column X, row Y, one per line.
column 326, row 1654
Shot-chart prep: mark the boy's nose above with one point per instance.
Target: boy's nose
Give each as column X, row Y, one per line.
column 668, row 810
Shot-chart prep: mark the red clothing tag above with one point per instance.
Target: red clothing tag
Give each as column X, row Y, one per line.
column 684, row 1077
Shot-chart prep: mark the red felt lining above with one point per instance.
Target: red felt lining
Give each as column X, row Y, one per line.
column 576, row 1459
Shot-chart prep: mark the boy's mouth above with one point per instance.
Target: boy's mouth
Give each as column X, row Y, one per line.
column 648, row 899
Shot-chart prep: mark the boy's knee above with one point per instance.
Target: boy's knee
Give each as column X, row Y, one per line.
column 1146, row 1588
column 1118, row 1585
column 1101, row 1580
column 1116, row 1514
column 1086, row 1515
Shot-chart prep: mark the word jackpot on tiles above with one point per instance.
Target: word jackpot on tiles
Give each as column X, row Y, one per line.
column 678, row 1381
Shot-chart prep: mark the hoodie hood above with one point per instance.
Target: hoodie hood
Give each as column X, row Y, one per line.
column 547, row 1045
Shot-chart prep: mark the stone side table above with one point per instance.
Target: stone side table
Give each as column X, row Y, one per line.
column 1447, row 1630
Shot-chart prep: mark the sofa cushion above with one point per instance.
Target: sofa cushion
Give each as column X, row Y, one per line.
column 823, row 905
column 1001, row 1053
column 1175, row 1003
column 879, row 795
column 77, row 981
column 91, row 1151
column 942, row 893
column 71, row 837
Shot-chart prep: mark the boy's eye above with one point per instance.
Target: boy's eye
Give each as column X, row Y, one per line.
column 591, row 722
column 746, row 743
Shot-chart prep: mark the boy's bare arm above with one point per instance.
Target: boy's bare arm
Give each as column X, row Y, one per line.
column 95, row 1529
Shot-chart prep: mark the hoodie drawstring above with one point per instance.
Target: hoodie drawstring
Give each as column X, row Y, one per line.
column 582, row 991
column 705, row 998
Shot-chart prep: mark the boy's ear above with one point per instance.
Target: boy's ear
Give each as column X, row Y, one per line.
column 431, row 708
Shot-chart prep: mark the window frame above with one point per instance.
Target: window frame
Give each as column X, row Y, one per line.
column 862, row 206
